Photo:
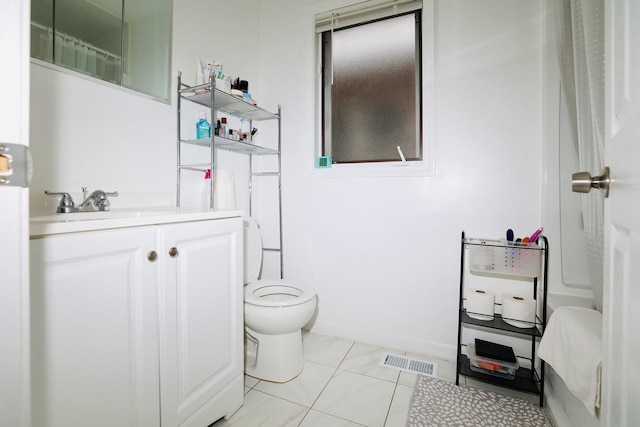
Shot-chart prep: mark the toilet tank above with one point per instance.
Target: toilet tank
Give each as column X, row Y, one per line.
column 252, row 250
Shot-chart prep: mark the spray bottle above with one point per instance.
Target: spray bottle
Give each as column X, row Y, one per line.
column 206, row 190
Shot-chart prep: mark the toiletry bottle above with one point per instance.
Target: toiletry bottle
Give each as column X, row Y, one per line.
column 206, row 190
column 203, row 128
column 225, row 128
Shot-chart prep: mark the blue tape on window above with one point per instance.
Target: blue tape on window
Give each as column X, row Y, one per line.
column 323, row 162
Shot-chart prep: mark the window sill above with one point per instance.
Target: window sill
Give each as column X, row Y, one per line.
column 367, row 170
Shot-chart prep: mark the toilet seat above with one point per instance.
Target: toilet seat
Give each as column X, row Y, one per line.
column 277, row 293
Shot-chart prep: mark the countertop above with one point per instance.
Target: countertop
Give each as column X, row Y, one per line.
column 46, row 224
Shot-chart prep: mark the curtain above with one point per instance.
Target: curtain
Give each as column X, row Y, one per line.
column 73, row 53
column 579, row 26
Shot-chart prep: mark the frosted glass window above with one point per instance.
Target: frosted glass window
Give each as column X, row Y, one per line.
column 372, row 91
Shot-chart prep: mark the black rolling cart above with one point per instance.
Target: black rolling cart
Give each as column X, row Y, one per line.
column 502, row 260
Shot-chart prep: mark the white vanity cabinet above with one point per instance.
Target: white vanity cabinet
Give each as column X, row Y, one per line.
column 138, row 326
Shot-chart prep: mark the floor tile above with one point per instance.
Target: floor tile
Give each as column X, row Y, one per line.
column 263, row 410
column 407, row 379
column 305, row 388
column 342, row 385
column 446, row 369
column 323, row 349
column 250, row 381
column 320, row 419
column 365, row 359
column 357, row 398
column 399, row 406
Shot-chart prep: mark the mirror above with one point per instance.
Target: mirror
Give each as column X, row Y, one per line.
column 124, row 42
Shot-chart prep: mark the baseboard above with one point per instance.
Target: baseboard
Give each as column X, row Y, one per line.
column 442, row 351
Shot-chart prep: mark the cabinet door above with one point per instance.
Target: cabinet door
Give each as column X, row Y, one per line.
column 94, row 329
column 201, row 321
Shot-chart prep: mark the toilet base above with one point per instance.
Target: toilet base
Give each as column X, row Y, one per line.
column 276, row 358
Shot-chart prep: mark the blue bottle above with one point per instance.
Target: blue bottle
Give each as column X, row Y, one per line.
column 203, row 128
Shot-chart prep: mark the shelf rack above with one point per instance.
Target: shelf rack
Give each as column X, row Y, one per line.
column 216, row 100
column 528, row 380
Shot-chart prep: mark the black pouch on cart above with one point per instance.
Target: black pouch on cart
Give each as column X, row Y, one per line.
column 492, row 350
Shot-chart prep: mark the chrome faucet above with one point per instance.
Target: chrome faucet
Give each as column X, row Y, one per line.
column 66, row 202
column 94, row 202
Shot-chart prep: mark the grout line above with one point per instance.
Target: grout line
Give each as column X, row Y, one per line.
column 393, row 395
column 333, row 416
column 325, row 386
column 336, row 369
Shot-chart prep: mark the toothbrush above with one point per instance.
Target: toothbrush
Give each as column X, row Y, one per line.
column 535, row 235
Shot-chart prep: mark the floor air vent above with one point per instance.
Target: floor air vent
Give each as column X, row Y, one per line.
column 408, row 364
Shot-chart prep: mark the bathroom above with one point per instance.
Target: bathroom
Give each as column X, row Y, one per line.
column 337, row 230
column 382, row 251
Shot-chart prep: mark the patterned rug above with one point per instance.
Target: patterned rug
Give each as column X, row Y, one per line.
column 440, row 403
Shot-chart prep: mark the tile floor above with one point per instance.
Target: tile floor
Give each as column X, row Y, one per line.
column 342, row 385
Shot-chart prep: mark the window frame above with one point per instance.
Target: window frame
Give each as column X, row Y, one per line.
column 423, row 167
column 328, row 145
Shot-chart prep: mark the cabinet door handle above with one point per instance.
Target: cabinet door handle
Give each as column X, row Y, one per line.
column 173, row 252
column 152, row 256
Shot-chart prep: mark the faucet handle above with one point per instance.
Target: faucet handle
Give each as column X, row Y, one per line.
column 66, row 202
column 102, row 203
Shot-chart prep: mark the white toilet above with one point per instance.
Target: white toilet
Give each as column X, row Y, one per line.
column 274, row 313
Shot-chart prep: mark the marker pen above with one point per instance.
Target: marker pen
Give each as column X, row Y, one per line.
column 535, row 235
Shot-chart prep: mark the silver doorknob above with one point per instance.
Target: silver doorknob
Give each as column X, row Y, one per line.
column 583, row 182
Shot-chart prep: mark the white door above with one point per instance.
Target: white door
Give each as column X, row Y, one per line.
column 621, row 370
column 14, row 259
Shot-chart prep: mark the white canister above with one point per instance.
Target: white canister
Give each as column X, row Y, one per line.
column 480, row 304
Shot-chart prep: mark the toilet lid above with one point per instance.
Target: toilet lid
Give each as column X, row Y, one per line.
column 252, row 250
column 277, row 293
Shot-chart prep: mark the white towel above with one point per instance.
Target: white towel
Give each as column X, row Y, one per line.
column 572, row 345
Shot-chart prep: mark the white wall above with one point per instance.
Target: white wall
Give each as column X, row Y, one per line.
column 225, row 31
column 89, row 133
column 382, row 253
column 86, row 133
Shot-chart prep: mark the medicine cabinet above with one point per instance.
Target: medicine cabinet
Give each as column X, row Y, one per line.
column 124, row 42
